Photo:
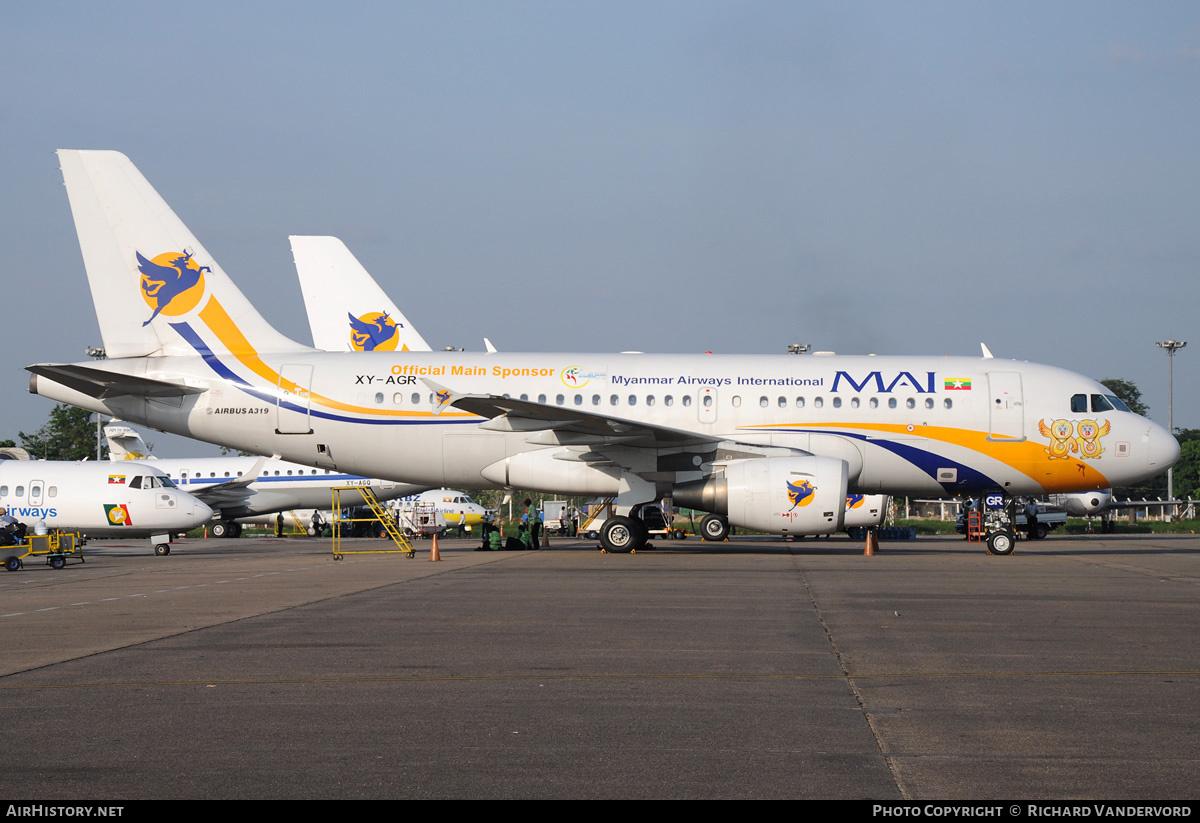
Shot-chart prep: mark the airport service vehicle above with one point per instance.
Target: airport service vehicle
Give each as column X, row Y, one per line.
column 1047, row 520
column 99, row 500
column 770, row 443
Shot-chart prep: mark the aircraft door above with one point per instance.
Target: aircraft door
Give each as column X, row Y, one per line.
column 1007, row 406
column 706, row 405
column 294, row 399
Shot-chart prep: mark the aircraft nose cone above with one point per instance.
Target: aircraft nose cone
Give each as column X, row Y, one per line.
column 1164, row 448
column 201, row 513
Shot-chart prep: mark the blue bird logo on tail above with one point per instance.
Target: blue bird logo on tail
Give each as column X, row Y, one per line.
column 172, row 283
column 374, row 331
column 800, row 494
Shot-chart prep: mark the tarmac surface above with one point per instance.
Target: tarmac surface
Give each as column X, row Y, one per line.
column 756, row 668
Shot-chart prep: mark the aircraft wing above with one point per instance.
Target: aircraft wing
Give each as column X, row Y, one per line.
column 566, row 425
column 232, row 494
column 102, row 384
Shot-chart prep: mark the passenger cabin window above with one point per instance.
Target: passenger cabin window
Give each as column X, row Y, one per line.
column 687, row 400
column 3, row 491
column 837, row 402
column 737, row 401
column 818, row 402
column 19, row 491
column 52, row 491
column 35, row 490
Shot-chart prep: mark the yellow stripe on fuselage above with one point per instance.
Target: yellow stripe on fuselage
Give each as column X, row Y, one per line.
column 222, row 325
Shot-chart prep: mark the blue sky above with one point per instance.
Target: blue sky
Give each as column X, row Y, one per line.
column 897, row 178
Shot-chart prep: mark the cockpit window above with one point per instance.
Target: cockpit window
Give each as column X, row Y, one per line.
column 1100, row 403
column 166, row 483
column 1118, row 404
column 1079, row 403
column 136, row 483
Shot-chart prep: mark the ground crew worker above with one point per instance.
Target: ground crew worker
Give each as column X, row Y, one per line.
column 279, row 525
column 535, row 523
column 495, row 540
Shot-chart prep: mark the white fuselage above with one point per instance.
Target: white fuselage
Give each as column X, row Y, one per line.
column 98, row 499
column 903, row 425
column 280, row 486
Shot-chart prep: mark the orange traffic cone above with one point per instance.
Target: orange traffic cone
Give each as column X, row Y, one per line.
column 872, row 543
column 434, row 554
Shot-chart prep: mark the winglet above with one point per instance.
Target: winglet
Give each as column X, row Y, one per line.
column 987, row 353
column 445, row 397
column 488, row 345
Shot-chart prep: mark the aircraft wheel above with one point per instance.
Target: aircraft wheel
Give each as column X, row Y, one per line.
column 222, row 528
column 57, row 562
column 12, row 564
column 237, row 530
column 1001, row 543
column 621, row 535
column 714, row 527
column 1041, row 531
column 591, row 535
column 162, row 550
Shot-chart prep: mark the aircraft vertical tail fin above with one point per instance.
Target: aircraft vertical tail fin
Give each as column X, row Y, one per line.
column 347, row 310
column 157, row 291
column 125, row 443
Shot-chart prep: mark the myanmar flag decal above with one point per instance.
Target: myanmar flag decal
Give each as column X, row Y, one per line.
column 958, row 384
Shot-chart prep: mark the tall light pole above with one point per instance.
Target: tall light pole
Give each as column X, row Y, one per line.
column 97, row 353
column 1171, row 346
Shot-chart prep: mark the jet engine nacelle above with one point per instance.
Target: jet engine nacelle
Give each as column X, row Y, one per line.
column 778, row 495
column 1082, row 504
column 866, row 511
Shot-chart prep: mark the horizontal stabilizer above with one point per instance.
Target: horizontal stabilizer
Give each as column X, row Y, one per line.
column 102, row 384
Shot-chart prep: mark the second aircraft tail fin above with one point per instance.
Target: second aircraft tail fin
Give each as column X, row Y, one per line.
column 347, row 310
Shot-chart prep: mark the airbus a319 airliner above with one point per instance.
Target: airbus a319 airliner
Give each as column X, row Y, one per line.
column 772, row 443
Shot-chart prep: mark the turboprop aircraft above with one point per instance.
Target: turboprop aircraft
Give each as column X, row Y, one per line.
column 241, row 487
column 99, row 500
column 771, row 443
